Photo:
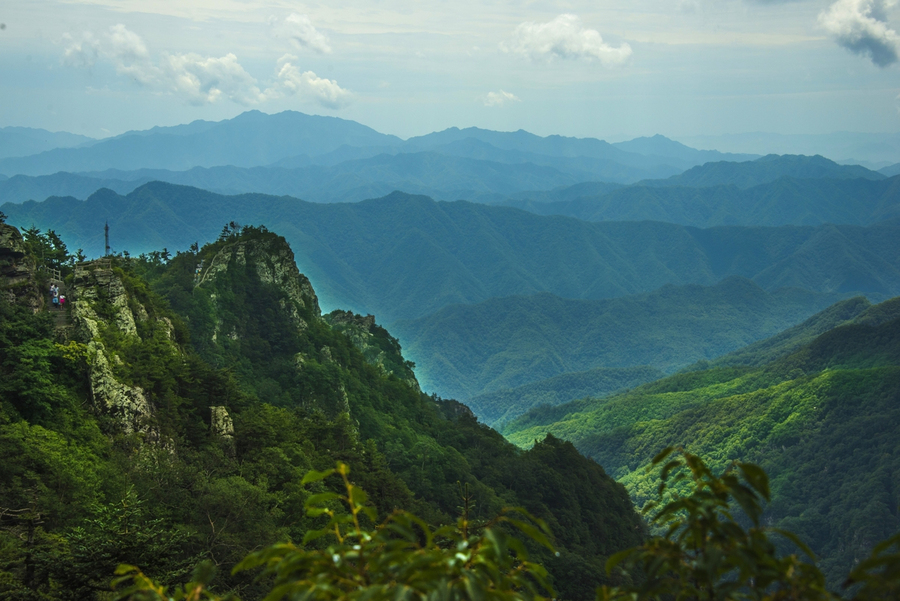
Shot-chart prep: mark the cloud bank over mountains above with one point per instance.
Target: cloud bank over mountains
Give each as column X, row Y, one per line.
column 615, row 69
column 201, row 80
column 862, row 27
column 563, row 38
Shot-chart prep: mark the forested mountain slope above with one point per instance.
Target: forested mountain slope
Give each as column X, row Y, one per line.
column 499, row 407
column 821, row 420
column 467, row 350
column 191, row 418
column 784, row 201
column 856, row 310
column 405, row 256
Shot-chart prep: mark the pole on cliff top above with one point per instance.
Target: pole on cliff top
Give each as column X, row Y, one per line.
column 106, row 235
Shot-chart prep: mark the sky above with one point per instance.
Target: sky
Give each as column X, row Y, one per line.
column 612, row 69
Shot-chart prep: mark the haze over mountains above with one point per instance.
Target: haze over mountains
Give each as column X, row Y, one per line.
column 325, row 159
column 663, row 213
column 24, row 141
column 507, row 342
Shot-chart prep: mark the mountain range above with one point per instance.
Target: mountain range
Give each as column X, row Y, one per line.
column 620, row 296
column 784, row 201
column 26, row 141
column 403, row 256
column 325, row 159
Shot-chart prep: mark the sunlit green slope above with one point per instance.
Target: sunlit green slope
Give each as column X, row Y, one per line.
column 824, row 421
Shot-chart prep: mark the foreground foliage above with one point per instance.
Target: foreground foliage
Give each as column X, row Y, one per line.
column 711, row 546
column 400, row 558
column 704, row 552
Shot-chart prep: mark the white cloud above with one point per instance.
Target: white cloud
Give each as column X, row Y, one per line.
column 205, row 80
column 500, row 98
column 861, row 26
column 81, row 53
column 299, row 29
column 197, row 79
column 128, row 52
column 293, row 81
column 566, row 38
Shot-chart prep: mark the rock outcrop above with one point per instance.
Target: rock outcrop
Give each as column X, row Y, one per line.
column 376, row 344
column 96, row 283
column 17, row 270
column 102, row 301
column 273, row 260
column 220, row 422
column 128, row 405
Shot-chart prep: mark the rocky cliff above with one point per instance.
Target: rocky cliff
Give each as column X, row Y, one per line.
column 17, row 270
column 376, row 344
column 272, row 261
column 100, row 303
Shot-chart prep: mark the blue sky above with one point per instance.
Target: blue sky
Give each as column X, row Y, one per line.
column 610, row 69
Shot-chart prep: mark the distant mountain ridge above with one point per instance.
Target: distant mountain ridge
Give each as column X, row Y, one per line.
column 405, row 256
column 499, row 407
column 292, row 139
column 766, row 169
column 856, row 310
column 662, row 146
column 24, row 141
column 248, row 140
column 784, row 201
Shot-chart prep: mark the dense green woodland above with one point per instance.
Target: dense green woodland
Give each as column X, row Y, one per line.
column 83, row 489
column 466, row 350
column 497, row 408
column 818, row 410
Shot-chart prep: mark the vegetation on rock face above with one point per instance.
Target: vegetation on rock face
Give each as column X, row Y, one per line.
column 246, row 389
column 375, row 343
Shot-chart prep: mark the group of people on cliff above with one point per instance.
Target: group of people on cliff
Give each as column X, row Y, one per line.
column 58, row 300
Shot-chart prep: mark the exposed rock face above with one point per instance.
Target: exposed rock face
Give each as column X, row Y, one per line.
column 127, row 404
column 17, row 271
column 95, row 285
column 377, row 345
column 220, row 422
column 274, row 263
